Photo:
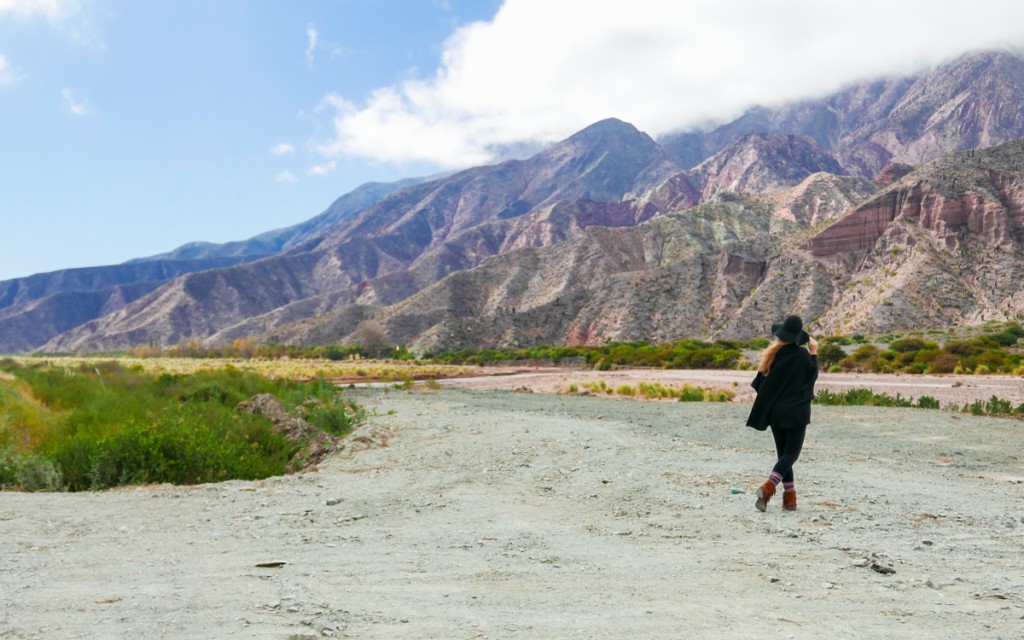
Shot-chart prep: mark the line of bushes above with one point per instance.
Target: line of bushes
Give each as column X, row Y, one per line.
column 994, row 406
column 104, row 425
column 683, row 354
column 987, row 353
column 655, row 391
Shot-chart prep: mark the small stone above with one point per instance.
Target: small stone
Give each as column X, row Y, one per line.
column 927, row 543
column 863, row 562
column 333, row 501
column 931, row 583
column 882, row 569
column 773, row 580
column 736, row 490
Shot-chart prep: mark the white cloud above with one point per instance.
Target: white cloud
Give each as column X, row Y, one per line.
column 7, row 74
column 541, row 70
column 314, row 42
column 322, row 169
column 282, row 149
column 52, row 10
column 311, row 37
column 75, row 107
column 285, row 176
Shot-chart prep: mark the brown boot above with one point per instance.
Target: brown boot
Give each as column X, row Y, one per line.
column 764, row 494
column 789, row 500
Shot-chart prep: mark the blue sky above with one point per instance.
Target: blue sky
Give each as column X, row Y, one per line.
column 130, row 127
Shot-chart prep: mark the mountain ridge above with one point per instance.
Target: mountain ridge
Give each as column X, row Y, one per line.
column 772, row 179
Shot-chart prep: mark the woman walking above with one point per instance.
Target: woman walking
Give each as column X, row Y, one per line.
column 785, row 387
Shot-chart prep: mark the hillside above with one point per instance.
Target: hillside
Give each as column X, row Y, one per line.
column 710, row 226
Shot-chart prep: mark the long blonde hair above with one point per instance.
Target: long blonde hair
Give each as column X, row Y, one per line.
column 768, row 357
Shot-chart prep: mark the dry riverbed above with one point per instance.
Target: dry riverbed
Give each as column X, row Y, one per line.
column 460, row 513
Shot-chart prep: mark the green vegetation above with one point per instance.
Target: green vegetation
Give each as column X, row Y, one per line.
column 684, row 354
column 994, row 406
column 866, row 397
column 992, row 352
column 102, row 424
column 656, row 391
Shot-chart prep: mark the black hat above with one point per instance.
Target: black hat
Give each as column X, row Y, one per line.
column 791, row 330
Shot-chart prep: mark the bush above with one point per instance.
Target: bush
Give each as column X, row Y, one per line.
column 944, row 363
column 830, row 353
column 119, row 426
column 860, row 397
column 904, row 345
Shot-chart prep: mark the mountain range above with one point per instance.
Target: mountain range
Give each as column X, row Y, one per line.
column 890, row 205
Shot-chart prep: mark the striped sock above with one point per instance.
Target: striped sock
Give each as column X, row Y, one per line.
column 788, row 487
column 775, row 478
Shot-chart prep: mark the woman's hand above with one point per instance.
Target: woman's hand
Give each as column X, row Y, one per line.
column 812, row 346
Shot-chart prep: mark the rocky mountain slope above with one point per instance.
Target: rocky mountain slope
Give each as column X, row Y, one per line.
column 942, row 246
column 971, row 102
column 613, row 226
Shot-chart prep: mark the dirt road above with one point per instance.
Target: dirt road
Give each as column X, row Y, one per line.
column 468, row 514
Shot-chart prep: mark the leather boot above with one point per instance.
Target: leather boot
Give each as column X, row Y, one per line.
column 764, row 494
column 789, row 500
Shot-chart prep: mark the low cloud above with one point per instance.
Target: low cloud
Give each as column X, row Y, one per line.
column 314, row 43
column 75, row 106
column 540, row 71
column 282, row 149
column 7, row 74
column 311, row 38
column 52, row 10
column 323, row 169
column 285, row 176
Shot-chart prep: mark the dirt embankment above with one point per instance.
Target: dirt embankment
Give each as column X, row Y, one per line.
column 481, row 514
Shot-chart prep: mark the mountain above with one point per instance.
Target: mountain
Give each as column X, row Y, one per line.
column 277, row 241
column 405, row 242
column 974, row 101
column 39, row 307
column 611, row 235
column 36, row 308
column 942, row 246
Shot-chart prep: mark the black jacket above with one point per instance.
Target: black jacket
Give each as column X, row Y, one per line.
column 784, row 395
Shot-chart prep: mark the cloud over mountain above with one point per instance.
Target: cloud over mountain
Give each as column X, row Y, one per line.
column 539, row 70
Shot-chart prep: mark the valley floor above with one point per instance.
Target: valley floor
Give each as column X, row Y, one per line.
column 487, row 514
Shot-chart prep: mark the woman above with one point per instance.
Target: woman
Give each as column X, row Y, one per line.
column 785, row 387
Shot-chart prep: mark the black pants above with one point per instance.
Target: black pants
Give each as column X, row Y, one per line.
column 788, row 443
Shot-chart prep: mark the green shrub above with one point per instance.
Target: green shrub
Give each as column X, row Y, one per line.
column 944, row 363
column 120, row 426
column 911, row 344
column 830, row 353
column 860, row 397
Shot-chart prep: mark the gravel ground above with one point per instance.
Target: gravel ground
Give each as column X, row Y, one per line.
column 485, row 514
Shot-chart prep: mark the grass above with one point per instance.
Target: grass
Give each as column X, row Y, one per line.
column 101, row 424
column 994, row 406
column 277, row 369
column 655, row 391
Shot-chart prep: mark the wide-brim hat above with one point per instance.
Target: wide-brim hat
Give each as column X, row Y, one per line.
column 791, row 330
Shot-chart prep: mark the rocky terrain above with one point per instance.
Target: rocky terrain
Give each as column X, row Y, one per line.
column 457, row 514
column 751, row 200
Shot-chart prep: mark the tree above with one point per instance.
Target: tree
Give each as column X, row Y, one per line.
column 371, row 337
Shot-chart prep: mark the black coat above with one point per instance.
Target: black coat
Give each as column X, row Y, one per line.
column 784, row 395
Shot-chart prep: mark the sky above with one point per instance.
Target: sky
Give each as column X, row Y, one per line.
column 131, row 127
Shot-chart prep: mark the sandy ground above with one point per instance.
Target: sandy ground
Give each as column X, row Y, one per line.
column 486, row 514
column 947, row 389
